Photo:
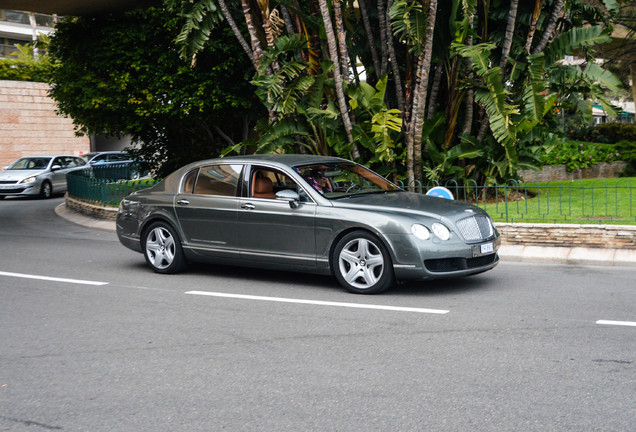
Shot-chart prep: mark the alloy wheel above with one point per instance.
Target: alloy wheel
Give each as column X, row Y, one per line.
column 160, row 248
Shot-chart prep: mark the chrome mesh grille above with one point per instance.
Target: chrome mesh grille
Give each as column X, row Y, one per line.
column 475, row 228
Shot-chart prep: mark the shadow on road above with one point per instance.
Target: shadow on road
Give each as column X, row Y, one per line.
column 306, row 280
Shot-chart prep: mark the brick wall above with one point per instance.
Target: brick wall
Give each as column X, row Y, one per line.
column 566, row 235
column 29, row 125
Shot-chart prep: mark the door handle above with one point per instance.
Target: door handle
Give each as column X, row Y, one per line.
column 248, row 206
column 183, row 202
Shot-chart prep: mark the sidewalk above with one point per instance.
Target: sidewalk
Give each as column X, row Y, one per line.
column 512, row 253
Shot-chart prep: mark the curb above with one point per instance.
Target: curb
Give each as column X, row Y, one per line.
column 507, row 252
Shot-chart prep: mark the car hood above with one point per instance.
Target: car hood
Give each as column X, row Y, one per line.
column 17, row 175
column 410, row 203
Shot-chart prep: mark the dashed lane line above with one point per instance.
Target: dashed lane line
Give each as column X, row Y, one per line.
column 319, row 302
column 617, row 323
column 54, row 279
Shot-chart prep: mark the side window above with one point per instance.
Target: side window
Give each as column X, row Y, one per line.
column 188, row 181
column 265, row 182
column 100, row 158
column 117, row 157
column 219, row 180
column 58, row 161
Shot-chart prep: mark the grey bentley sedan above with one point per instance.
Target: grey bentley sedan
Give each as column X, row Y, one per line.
column 315, row 214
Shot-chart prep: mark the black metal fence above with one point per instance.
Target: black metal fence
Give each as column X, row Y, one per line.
column 607, row 201
column 601, row 201
column 106, row 185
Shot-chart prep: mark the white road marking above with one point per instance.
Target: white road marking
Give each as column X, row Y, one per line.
column 54, row 279
column 318, row 302
column 617, row 323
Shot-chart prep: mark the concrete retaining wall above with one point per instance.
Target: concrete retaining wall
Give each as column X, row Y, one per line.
column 91, row 210
column 566, row 235
column 30, row 126
column 560, row 172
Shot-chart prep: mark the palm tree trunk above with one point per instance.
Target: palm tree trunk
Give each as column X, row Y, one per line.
column 432, row 100
column 267, row 29
column 237, row 33
column 256, row 43
column 418, row 117
column 399, row 92
column 469, row 100
column 342, row 40
column 367, row 28
column 508, row 37
column 533, row 24
column 384, row 61
column 289, row 26
column 632, row 69
column 333, row 54
column 410, row 123
column 549, row 29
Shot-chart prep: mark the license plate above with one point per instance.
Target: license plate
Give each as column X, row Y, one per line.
column 487, row 248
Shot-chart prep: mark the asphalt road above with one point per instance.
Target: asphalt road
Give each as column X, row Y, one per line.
column 92, row 340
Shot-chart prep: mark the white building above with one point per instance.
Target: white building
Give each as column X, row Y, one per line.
column 20, row 28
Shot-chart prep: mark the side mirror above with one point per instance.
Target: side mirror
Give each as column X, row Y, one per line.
column 290, row 196
column 56, row 167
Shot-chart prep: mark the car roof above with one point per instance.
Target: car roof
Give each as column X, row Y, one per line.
column 288, row 160
column 48, row 156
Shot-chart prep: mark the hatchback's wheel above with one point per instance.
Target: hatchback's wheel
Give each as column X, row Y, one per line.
column 362, row 264
column 46, row 190
column 162, row 249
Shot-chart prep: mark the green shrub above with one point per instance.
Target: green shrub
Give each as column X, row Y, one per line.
column 616, row 132
column 577, row 154
column 21, row 70
column 627, row 150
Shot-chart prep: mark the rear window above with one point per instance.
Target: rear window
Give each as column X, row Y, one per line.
column 219, row 180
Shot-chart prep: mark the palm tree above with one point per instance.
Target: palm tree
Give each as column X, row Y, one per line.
column 421, row 90
column 333, row 54
column 549, row 29
column 369, row 32
column 510, row 32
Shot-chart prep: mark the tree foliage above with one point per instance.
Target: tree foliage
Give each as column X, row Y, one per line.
column 23, row 66
column 122, row 75
column 458, row 88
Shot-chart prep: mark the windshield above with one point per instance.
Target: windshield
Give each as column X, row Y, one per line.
column 343, row 179
column 30, row 163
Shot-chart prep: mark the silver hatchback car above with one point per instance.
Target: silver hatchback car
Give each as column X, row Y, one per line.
column 38, row 175
column 305, row 213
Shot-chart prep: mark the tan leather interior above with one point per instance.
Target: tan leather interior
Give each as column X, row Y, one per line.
column 263, row 188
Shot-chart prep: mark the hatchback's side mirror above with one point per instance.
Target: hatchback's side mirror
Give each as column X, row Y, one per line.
column 290, row 196
column 56, row 167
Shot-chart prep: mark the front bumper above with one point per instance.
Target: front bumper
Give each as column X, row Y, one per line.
column 423, row 260
column 20, row 189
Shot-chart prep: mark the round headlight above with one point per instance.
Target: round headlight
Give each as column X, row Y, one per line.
column 420, row 231
column 441, row 231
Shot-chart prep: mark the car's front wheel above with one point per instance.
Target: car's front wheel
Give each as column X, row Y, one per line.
column 162, row 249
column 46, row 190
column 362, row 264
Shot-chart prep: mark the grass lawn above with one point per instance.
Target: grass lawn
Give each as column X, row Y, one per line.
column 593, row 201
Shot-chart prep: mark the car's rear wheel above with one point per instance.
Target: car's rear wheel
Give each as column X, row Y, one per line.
column 46, row 190
column 362, row 264
column 162, row 249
